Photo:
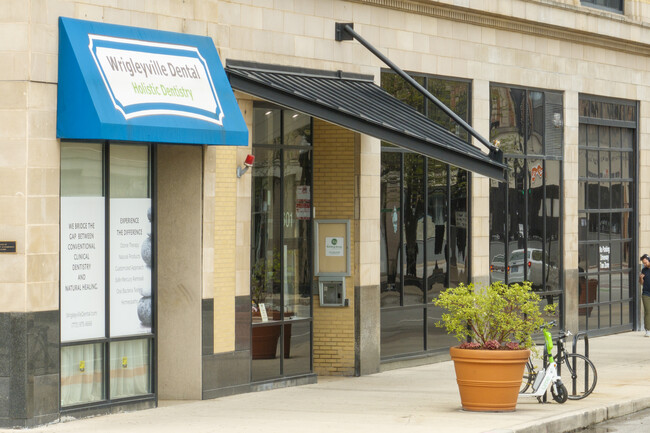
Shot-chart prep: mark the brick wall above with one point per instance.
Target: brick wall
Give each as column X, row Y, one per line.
column 334, row 199
column 224, row 217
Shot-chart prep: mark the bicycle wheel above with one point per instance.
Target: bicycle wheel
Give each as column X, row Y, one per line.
column 561, row 395
column 529, row 377
column 578, row 374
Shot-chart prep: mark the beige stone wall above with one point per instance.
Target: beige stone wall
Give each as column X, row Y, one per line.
column 29, row 168
column 179, row 239
column 558, row 45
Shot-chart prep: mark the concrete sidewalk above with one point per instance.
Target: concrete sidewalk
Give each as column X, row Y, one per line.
column 416, row 399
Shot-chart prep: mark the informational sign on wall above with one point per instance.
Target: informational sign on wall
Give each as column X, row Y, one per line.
column 334, row 246
column 82, row 268
column 130, row 273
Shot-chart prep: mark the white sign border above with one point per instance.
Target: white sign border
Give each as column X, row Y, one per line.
column 161, row 111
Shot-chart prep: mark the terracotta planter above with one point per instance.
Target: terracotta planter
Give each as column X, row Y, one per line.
column 587, row 296
column 489, row 380
column 265, row 341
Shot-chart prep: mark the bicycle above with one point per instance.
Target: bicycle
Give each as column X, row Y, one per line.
column 549, row 377
column 572, row 367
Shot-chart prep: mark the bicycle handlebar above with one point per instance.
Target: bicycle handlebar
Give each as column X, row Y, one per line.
column 548, row 324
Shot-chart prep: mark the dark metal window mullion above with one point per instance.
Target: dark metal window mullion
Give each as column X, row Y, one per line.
column 528, row 126
column 634, row 246
column 402, row 249
column 153, row 356
column 107, row 271
column 425, row 276
column 310, row 251
column 448, row 229
column 282, row 240
column 545, row 247
column 506, row 249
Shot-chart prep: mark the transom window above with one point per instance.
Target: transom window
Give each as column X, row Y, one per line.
column 611, row 5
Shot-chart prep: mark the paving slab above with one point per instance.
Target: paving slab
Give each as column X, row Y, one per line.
column 415, row 399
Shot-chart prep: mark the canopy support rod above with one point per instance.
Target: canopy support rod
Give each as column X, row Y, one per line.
column 342, row 28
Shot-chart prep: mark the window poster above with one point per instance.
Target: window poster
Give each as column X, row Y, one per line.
column 604, row 251
column 130, row 273
column 82, row 268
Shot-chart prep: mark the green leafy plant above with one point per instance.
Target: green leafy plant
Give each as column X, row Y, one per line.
column 495, row 317
column 264, row 275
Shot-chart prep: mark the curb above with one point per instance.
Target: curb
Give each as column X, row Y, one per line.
column 576, row 421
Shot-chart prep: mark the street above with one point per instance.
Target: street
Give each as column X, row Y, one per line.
column 635, row 423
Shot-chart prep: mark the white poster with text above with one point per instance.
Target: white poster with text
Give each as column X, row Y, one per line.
column 130, row 273
column 82, row 268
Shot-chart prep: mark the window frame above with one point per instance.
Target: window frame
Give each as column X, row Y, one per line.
column 107, row 340
column 426, row 310
column 283, row 148
column 592, row 4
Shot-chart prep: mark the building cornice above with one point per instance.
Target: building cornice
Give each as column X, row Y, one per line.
column 529, row 27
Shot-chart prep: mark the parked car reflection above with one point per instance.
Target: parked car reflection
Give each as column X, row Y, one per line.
column 524, row 266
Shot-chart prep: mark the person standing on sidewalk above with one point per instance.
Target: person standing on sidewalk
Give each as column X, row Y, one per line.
column 644, row 279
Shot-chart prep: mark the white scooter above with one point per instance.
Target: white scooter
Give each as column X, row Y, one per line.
column 549, row 376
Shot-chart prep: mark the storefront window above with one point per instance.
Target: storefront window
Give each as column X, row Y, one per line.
column 606, row 233
column 82, row 374
column 611, row 5
column 281, row 270
column 525, row 211
column 424, row 231
column 96, row 287
column 130, row 368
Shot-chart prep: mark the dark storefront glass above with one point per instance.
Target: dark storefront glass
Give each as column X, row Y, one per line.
column 424, row 227
column 525, row 212
column 436, row 238
column 400, row 89
column 454, row 95
column 391, row 211
column 507, row 108
column 296, row 221
column 458, row 230
column 553, row 214
column 265, row 277
column 281, row 270
column 413, row 229
column 606, row 233
column 402, row 331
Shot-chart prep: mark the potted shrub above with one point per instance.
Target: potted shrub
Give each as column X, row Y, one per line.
column 495, row 325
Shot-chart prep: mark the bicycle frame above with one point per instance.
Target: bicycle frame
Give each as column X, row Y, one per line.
column 548, row 377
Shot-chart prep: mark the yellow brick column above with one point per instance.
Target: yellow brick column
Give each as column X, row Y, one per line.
column 334, row 187
column 227, row 219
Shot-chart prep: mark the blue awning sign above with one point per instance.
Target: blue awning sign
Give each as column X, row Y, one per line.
column 134, row 84
column 145, row 78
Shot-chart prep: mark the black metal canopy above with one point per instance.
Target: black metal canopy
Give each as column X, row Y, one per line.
column 355, row 102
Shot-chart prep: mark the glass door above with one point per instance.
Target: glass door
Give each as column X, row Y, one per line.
column 281, row 269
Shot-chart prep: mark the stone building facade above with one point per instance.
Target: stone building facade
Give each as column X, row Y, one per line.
column 563, row 86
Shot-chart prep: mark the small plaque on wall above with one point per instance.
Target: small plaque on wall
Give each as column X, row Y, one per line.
column 7, row 246
column 332, row 248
